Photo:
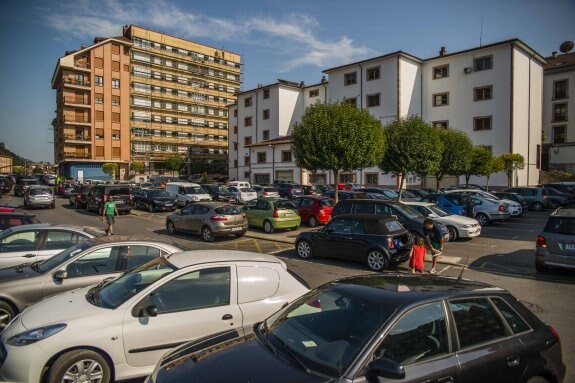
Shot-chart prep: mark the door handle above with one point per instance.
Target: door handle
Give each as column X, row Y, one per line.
column 227, row 317
column 445, row 379
column 29, row 256
column 513, row 361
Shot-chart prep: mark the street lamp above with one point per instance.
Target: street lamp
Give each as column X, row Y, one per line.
column 273, row 162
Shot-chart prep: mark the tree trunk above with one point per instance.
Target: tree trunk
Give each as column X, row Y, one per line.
column 467, row 177
column 487, row 185
column 335, row 180
column 401, row 177
column 437, row 181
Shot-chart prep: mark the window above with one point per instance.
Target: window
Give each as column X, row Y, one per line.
column 559, row 134
column 235, row 129
column 247, row 140
column 441, row 71
column 98, row 62
column 560, row 112
column 115, row 117
column 116, row 152
column 116, row 100
column 248, row 121
column 194, row 290
column 248, row 102
column 350, row 78
column 266, row 94
column 286, row 156
column 372, row 179
column 261, row 157
column 441, row 99
column 373, row 100
column 513, row 319
column 352, row 101
column 99, row 115
column 247, row 175
column 99, row 98
column 115, row 83
column 21, row 241
column 483, row 93
column 482, row 123
column 483, row 63
column 115, row 49
column 115, row 66
column 266, row 114
column 476, row 321
column 266, row 135
column 441, row 124
column 247, row 161
column 314, row 93
column 99, row 151
column 560, row 89
column 235, row 112
column 419, row 335
column 99, row 80
column 372, row 73
column 101, row 261
column 235, row 164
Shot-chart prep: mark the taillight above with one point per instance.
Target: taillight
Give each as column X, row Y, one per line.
column 501, row 207
column 219, row 218
column 79, row 197
column 390, row 243
column 105, row 197
column 130, row 196
column 265, row 193
column 463, row 211
column 556, row 334
column 541, row 242
column 275, row 214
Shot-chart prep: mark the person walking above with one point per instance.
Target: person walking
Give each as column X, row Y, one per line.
column 417, row 256
column 433, row 240
column 108, row 213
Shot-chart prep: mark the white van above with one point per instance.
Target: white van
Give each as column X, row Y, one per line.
column 240, row 184
column 187, row 192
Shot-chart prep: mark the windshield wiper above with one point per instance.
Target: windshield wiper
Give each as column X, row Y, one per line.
column 292, row 354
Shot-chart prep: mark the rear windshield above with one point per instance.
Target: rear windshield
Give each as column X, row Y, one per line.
column 284, row 205
column 327, row 202
column 159, row 193
column 194, row 190
column 270, row 190
column 119, row 191
column 40, row 191
column 561, row 225
column 247, row 190
column 393, row 226
column 228, row 210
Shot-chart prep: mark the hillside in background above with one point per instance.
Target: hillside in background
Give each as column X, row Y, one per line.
column 17, row 160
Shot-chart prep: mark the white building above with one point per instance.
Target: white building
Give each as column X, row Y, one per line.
column 558, row 118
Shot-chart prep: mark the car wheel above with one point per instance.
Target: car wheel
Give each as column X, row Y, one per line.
column 80, row 366
column 171, row 228
column 312, row 221
column 554, row 204
column 53, row 206
column 376, row 260
column 541, row 268
column 76, row 205
column 268, row 227
column 207, row 234
column 537, row 379
column 150, row 208
column 304, row 250
column 414, row 235
column 537, row 206
column 239, row 235
column 7, row 312
column 482, row 218
column 453, row 233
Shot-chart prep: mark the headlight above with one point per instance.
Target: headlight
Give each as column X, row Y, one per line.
column 467, row 226
column 194, row 198
column 33, row 336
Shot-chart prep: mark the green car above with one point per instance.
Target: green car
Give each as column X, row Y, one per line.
column 271, row 214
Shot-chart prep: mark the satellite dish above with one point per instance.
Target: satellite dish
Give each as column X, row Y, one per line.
column 566, row 46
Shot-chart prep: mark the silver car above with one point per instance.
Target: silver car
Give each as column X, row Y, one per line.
column 555, row 246
column 81, row 265
column 489, row 210
column 39, row 196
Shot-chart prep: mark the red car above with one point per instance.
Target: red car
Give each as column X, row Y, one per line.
column 314, row 209
column 343, row 187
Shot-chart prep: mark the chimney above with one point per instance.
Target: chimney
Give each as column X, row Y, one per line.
column 323, row 80
column 554, row 54
column 442, row 51
column 301, row 84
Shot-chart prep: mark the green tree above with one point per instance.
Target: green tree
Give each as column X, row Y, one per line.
column 174, row 163
column 413, row 146
column 337, row 137
column 18, row 169
column 455, row 156
column 495, row 165
column 479, row 163
column 511, row 163
column 137, row 166
column 37, row 171
column 111, row 169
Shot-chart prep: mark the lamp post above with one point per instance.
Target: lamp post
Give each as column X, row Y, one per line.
column 273, row 162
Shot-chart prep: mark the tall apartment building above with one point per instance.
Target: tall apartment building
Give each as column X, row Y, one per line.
column 180, row 92
column 92, row 108
column 559, row 113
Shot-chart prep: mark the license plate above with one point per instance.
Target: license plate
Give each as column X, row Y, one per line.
column 570, row 246
column 288, row 215
column 119, row 202
column 236, row 228
column 169, row 204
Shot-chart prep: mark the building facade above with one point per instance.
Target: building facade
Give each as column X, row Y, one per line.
column 6, row 161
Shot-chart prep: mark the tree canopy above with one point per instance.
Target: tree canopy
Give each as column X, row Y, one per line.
column 174, row 163
column 512, row 162
column 110, row 168
column 137, row 166
column 479, row 163
column 455, row 157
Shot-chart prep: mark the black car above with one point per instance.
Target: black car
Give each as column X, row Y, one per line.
column 513, row 197
column 288, row 190
column 374, row 240
column 218, row 192
column 563, row 188
column 380, row 328
column 5, row 185
column 9, row 219
column 345, row 194
column 98, row 195
column 558, row 198
column 22, row 185
column 79, row 195
column 418, row 192
column 311, row 190
column 154, row 199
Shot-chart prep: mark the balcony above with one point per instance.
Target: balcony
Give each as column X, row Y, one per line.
column 76, row 102
column 77, row 139
column 73, row 83
column 83, row 66
column 77, row 121
column 68, row 155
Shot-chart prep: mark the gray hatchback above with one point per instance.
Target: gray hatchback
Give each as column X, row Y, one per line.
column 555, row 245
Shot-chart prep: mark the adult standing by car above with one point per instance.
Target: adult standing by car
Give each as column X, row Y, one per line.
column 110, row 211
column 433, row 240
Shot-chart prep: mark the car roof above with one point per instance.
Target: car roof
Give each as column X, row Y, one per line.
column 16, row 214
column 564, row 212
column 133, row 239
column 190, row 258
column 418, row 203
column 312, row 197
column 366, row 217
column 45, row 226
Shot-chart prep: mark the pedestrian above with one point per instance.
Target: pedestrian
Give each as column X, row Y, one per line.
column 417, row 256
column 108, row 213
column 433, row 240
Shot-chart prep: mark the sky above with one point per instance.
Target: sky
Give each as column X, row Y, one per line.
column 292, row 40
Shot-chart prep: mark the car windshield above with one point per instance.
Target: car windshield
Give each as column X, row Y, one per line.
column 326, row 329
column 389, row 194
column 247, row 190
column 438, row 211
column 561, row 225
column 194, row 190
column 62, row 257
column 228, row 210
column 116, row 291
column 408, row 211
column 219, row 189
column 159, row 193
column 39, row 191
column 118, row 191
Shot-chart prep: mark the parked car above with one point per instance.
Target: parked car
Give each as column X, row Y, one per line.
column 289, row 190
column 411, row 219
column 557, row 198
column 5, row 185
column 376, row 241
column 67, row 190
column 98, row 195
column 243, row 194
column 37, row 242
column 471, row 186
column 121, row 328
column 187, row 192
column 456, row 203
column 418, row 192
column 563, row 188
column 513, row 197
column 380, row 328
column 23, row 184
column 515, row 208
column 489, row 210
column 208, row 219
column 407, row 195
column 154, row 200
column 311, row 190
column 271, row 214
column 555, row 245
column 314, row 210
column 387, row 193
column 345, row 194
column 14, row 218
column 39, row 196
column 83, row 264
column 266, row 191
column 458, row 226
column 218, row 192
column 537, row 198
column 79, row 196
column 146, row 185
column 62, row 186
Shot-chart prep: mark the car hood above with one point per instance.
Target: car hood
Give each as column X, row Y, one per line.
column 456, row 219
column 163, row 199
column 17, row 272
column 246, row 359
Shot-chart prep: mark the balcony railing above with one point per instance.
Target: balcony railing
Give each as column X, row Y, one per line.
column 72, row 120
column 76, row 101
column 73, row 81
column 72, row 137
column 77, row 155
column 82, row 65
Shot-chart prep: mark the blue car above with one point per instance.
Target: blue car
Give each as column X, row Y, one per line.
column 455, row 203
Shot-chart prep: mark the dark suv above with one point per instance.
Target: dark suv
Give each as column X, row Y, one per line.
column 98, row 195
column 555, row 246
column 289, row 190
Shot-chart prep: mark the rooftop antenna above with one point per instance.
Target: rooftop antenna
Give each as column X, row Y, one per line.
column 481, row 33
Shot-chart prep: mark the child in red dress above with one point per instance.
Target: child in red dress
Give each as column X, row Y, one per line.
column 417, row 256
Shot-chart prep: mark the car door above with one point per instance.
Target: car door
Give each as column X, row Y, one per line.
column 250, row 210
column 20, row 247
column 341, row 240
column 198, row 302
column 181, row 220
column 195, row 219
column 263, row 210
column 57, row 240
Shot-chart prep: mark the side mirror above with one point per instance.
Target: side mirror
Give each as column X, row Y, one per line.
column 386, row 368
column 149, row 311
column 60, row 275
column 431, row 215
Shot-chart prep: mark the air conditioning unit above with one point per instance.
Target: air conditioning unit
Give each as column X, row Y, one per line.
column 468, row 70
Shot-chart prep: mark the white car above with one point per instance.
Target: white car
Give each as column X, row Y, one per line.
column 243, row 194
column 515, row 208
column 458, row 226
column 122, row 327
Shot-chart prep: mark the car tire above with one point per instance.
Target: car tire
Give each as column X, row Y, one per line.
column 482, row 218
column 268, row 227
column 7, row 312
column 537, row 206
column 304, row 249
column 53, row 206
column 239, row 235
column 312, row 221
column 537, row 379
column 207, row 234
column 150, row 208
column 171, row 228
column 554, row 204
column 453, row 233
column 376, row 260
column 94, row 367
column 76, row 205
column 541, row 268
